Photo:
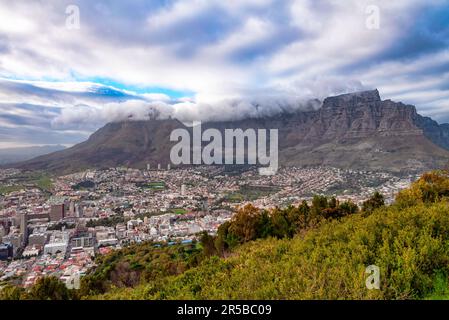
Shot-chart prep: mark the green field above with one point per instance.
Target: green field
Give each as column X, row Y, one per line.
column 29, row 179
column 8, row 189
column 179, row 211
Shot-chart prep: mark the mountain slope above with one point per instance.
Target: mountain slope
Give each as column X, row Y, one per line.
column 128, row 143
column 11, row 155
column 356, row 130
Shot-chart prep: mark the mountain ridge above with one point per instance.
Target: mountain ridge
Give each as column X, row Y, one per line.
column 356, row 130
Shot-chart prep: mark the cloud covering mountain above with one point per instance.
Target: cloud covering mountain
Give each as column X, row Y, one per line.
column 209, row 59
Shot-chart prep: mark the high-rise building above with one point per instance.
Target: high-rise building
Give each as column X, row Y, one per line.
column 57, row 212
column 183, row 190
column 72, row 208
column 78, row 211
column 24, row 227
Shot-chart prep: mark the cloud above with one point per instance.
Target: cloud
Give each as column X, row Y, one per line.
column 211, row 59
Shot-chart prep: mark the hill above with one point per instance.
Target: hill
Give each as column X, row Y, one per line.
column 357, row 130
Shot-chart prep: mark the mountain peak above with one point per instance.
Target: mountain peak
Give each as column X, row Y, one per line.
column 352, row 99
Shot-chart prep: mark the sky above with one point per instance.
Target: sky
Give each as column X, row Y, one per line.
column 69, row 67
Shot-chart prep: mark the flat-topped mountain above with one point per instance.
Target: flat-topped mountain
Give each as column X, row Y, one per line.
column 356, row 130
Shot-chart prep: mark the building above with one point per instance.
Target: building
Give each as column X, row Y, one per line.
column 40, row 238
column 55, row 248
column 6, row 251
column 78, row 211
column 59, row 242
column 24, row 228
column 183, row 190
column 57, row 212
column 14, row 239
column 83, row 240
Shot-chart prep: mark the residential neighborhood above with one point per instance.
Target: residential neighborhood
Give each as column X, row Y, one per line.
column 58, row 230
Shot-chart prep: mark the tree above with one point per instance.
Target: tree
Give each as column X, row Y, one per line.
column 49, row 288
column 333, row 203
column 348, row 207
column 245, row 222
column 10, row 292
column 431, row 187
column 207, row 241
column 319, row 203
column 375, row 201
column 265, row 225
column 304, row 215
column 282, row 227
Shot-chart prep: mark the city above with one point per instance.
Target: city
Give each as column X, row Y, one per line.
column 58, row 227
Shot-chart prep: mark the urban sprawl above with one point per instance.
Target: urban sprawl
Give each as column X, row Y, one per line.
column 60, row 228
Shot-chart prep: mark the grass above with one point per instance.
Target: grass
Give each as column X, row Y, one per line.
column 4, row 190
column 440, row 288
column 37, row 179
column 45, row 183
column 179, row 211
column 155, row 185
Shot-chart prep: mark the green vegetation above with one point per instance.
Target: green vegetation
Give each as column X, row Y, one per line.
column 410, row 247
column 106, row 222
column 47, row 288
column 8, row 189
column 250, row 193
column 44, row 183
column 179, row 211
column 60, row 225
column 154, row 185
column 139, row 263
column 317, row 251
column 28, row 179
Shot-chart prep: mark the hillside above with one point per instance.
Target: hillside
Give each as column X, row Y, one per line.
column 357, row 130
column 12, row 155
column 410, row 246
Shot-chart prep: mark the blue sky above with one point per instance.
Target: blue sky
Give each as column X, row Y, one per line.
column 208, row 59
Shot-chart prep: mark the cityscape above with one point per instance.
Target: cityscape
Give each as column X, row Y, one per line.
column 58, row 231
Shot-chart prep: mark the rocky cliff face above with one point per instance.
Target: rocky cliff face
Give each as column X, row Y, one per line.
column 356, row 130
column 361, row 115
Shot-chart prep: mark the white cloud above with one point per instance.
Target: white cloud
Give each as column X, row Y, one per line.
column 229, row 54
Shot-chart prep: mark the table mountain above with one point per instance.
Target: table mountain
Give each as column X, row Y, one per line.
column 356, row 130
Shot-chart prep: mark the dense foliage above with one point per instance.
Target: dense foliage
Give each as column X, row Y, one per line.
column 139, row 263
column 47, row 288
column 411, row 248
column 106, row 222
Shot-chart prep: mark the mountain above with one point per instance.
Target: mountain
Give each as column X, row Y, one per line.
column 12, row 155
column 356, row 130
column 127, row 143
